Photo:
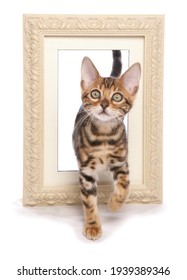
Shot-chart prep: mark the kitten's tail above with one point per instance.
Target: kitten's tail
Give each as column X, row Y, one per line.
column 117, row 64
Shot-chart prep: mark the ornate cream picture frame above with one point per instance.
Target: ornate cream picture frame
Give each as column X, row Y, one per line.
column 37, row 28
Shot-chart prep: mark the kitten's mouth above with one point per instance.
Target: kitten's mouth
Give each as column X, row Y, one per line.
column 103, row 115
column 103, row 112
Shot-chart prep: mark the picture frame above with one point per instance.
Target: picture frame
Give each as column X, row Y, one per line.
column 39, row 145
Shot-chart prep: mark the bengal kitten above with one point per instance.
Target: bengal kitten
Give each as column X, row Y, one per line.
column 99, row 135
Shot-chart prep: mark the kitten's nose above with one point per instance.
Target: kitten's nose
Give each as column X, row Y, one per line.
column 104, row 103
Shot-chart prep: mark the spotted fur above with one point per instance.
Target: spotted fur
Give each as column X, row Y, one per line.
column 99, row 136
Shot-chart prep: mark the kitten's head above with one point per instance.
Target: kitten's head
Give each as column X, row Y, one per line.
column 108, row 99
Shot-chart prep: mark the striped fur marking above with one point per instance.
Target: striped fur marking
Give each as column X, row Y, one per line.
column 99, row 136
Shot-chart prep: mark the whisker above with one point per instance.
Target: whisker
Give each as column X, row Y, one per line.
column 87, row 116
column 116, row 115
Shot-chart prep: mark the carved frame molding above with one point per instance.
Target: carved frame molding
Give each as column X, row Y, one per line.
column 36, row 27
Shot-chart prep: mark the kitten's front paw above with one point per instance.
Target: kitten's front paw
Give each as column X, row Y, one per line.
column 116, row 201
column 92, row 232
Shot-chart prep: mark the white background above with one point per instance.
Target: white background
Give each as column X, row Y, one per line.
column 137, row 235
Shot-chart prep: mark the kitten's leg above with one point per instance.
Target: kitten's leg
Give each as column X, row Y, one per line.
column 121, row 187
column 92, row 227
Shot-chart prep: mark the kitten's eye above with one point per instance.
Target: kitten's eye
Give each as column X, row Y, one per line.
column 117, row 97
column 95, row 94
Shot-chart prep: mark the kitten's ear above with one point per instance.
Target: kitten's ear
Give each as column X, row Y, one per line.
column 131, row 78
column 88, row 73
